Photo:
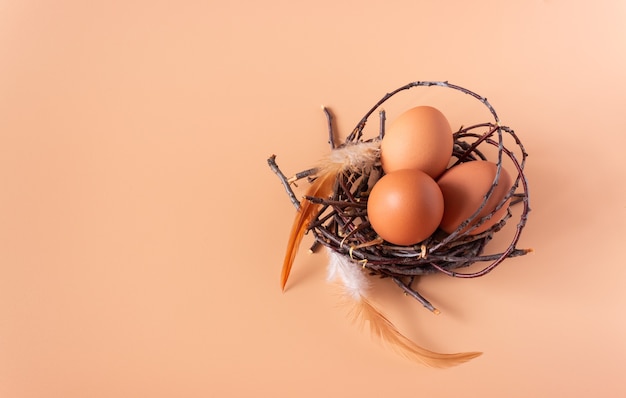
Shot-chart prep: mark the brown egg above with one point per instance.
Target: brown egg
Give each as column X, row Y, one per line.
column 420, row 138
column 405, row 207
column 464, row 188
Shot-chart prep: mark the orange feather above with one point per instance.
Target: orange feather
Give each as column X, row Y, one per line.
column 322, row 188
column 382, row 328
column 355, row 288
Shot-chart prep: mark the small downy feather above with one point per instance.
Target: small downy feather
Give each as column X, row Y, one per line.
column 354, row 157
column 359, row 156
column 355, row 285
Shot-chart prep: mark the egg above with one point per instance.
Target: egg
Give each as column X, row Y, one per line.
column 420, row 138
column 464, row 188
column 405, row 207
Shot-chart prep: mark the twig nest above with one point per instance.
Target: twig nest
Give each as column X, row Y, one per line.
column 436, row 217
column 361, row 222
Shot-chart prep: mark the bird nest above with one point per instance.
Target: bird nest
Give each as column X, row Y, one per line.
column 341, row 221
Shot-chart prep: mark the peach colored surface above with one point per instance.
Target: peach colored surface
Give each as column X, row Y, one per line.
column 142, row 233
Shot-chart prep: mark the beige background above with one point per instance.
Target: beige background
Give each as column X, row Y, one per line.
column 142, row 234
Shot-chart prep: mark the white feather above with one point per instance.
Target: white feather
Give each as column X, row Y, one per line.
column 349, row 273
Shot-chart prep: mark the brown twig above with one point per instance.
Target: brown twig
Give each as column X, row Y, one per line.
column 284, row 180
